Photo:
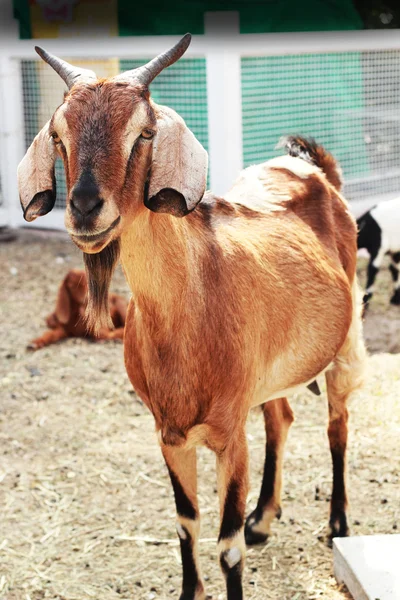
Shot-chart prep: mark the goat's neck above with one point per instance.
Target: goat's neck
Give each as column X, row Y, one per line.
column 155, row 252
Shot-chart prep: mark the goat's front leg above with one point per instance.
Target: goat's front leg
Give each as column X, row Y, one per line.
column 110, row 334
column 232, row 472
column 278, row 417
column 394, row 269
column 49, row 337
column 182, row 467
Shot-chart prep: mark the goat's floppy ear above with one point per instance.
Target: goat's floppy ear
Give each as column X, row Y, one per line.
column 36, row 181
column 63, row 306
column 179, row 170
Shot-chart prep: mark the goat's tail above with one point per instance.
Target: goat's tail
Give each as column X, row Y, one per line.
column 310, row 151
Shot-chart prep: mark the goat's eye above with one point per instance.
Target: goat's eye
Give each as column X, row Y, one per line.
column 147, row 134
column 55, row 137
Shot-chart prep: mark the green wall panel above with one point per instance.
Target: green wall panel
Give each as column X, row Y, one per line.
column 318, row 95
column 156, row 17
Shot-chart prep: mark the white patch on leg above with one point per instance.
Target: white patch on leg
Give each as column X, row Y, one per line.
column 232, row 557
column 377, row 262
column 181, row 531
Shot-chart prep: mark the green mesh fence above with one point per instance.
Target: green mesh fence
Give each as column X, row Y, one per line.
column 182, row 87
column 348, row 101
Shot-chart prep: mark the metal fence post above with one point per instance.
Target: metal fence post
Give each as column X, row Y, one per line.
column 223, row 99
column 12, row 136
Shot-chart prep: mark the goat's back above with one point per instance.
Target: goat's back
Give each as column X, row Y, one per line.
column 288, row 186
column 387, row 215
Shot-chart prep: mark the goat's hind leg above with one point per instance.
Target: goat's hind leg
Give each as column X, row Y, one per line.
column 278, row 417
column 394, row 269
column 182, row 467
column 375, row 262
column 342, row 379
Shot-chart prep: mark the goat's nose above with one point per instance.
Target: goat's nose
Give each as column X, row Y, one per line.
column 85, row 197
column 83, row 206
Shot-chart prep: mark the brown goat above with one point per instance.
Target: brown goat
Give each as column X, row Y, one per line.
column 68, row 319
column 239, row 303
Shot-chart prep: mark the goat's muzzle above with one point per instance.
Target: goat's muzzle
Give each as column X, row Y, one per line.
column 86, row 202
column 93, row 243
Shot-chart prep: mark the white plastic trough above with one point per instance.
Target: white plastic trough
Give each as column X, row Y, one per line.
column 369, row 566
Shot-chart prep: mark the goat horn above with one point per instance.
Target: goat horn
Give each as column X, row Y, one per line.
column 148, row 72
column 67, row 72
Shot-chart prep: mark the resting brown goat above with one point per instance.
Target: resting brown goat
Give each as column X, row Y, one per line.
column 68, row 318
column 240, row 302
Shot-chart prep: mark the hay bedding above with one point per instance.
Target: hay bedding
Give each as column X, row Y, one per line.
column 86, row 506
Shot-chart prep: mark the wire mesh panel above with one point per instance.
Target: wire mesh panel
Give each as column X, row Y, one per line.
column 182, row 87
column 43, row 91
column 348, row 101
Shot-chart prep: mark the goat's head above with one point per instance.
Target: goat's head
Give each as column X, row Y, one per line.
column 120, row 152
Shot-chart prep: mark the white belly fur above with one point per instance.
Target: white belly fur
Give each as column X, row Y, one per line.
column 260, row 398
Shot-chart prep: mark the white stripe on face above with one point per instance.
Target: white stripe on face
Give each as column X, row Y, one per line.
column 134, row 128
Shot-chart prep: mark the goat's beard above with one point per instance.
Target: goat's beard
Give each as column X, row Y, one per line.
column 99, row 270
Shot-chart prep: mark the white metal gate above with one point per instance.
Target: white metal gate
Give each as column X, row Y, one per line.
column 238, row 93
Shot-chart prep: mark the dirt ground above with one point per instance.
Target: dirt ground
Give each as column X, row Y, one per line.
column 86, row 507
column 382, row 322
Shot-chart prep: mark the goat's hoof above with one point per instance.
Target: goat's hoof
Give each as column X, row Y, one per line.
column 338, row 526
column 254, row 537
column 366, row 300
column 251, row 536
column 32, row 346
column 194, row 594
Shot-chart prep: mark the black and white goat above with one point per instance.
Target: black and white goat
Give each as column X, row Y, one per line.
column 379, row 234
